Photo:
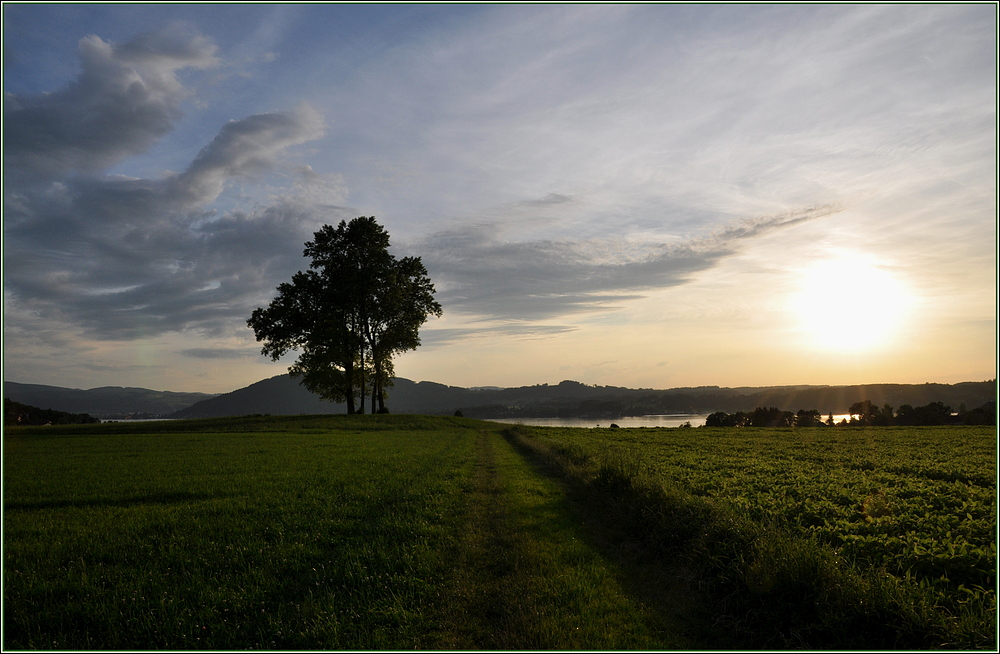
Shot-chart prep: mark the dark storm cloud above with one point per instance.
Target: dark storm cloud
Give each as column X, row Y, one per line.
column 477, row 273
column 126, row 97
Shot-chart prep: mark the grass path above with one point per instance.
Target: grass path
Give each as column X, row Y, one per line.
column 525, row 576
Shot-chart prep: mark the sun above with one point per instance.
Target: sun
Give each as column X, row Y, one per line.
column 850, row 303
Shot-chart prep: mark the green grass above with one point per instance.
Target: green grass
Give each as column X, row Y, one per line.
column 403, row 532
column 770, row 522
column 336, row 532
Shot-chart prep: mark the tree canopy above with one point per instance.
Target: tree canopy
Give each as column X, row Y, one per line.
column 354, row 309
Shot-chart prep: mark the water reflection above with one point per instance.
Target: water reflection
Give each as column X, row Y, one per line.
column 672, row 420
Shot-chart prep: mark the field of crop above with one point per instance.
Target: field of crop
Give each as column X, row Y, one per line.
column 913, row 506
column 402, row 532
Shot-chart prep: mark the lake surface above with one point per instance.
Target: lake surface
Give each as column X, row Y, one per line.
column 672, row 420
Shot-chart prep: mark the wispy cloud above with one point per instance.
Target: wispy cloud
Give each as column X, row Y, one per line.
column 217, row 353
column 482, row 275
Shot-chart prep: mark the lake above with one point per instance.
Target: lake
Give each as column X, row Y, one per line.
column 671, row 420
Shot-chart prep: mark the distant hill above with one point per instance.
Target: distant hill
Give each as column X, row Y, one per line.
column 283, row 395
column 17, row 414
column 107, row 402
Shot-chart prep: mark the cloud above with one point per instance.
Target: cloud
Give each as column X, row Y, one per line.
column 548, row 200
column 218, row 353
column 126, row 97
column 244, row 147
column 124, row 258
column 169, row 273
column 548, row 164
column 444, row 336
column 479, row 274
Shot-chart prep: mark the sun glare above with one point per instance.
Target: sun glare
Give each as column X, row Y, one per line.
column 850, row 304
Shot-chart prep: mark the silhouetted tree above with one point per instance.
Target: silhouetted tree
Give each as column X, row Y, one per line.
column 863, row 413
column 771, row 417
column 400, row 304
column 884, row 417
column 349, row 314
column 17, row 414
column 808, row 418
column 720, row 419
column 984, row 415
column 905, row 415
column 935, row 413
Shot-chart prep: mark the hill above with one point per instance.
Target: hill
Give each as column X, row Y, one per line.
column 106, row 402
column 283, row 395
column 17, row 414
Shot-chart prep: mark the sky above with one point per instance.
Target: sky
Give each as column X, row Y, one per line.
column 652, row 196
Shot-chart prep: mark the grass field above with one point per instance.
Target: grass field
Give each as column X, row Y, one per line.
column 403, row 532
column 868, row 537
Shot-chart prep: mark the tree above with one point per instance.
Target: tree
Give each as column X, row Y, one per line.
column 935, row 413
column 400, row 304
column 720, row 419
column 885, row 417
column 863, row 413
column 771, row 417
column 349, row 314
column 808, row 418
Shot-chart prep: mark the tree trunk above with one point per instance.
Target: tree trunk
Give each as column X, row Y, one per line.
column 361, row 405
column 376, row 380
column 349, row 382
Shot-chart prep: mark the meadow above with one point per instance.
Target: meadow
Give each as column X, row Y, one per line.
column 848, row 537
column 403, row 532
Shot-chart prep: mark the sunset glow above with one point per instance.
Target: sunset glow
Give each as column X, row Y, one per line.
column 848, row 305
column 655, row 195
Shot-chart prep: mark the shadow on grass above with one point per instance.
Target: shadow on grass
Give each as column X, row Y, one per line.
column 667, row 586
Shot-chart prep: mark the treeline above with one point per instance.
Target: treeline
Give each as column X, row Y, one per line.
column 15, row 414
column 570, row 399
column 864, row 413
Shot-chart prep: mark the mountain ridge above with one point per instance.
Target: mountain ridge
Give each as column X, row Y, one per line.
column 105, row 402
column 281, row 394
